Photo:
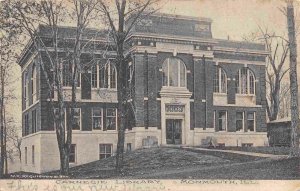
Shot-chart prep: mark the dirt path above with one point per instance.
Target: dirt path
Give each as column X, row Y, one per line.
column 240, row 153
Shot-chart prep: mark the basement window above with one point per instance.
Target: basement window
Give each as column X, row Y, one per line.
column 72, row 156
column 247, row 144
column 25, row 155
column 128, row 147
column 105, row 151
column 32, row 154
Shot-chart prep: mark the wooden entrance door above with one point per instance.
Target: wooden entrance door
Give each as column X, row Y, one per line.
column 174, row 131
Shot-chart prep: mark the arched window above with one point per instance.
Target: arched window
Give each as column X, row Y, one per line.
column 245, row 81
column 220, row 80
column 104, row 75
column 174, row 73
column 33, row 83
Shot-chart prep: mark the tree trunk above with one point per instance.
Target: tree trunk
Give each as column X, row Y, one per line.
column 122, row 112
column 5, row 141
column 122, row 98
column 293, row 80
column 2, row 124
column 60, row 130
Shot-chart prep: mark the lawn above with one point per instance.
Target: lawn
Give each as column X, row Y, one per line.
column 145, row 162
column 178, row 163
column 265, row 150
column 284, row 169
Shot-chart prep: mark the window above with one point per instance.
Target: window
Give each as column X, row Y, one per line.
column 221, row 145
column 56, row 117
column 97, row 118
column 128, row 147
column 25, row 85
column 68, row 71
column 222, row 120
column 32, row 154
column 26, row 121
column 72, row 156
column 105, row 151
column 104, row 76
column 174, row 73
column 239, row 121
column 220, row 80
column 245, row 81
column 111, row 118
column 34, row 121
column 67, row 74
column 247, row 144
column 33, row 83
column 26, row 155
column 51, row 82
column 77, row 119
column 94, row 76
column 111, row 73
column 250, row 121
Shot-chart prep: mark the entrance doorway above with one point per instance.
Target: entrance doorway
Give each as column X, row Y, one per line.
column 174, row 131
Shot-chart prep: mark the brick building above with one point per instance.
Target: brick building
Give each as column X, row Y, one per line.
column 187, row 88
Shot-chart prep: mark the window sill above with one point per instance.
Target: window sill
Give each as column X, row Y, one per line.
column 174, row 87
column 220, row 94
column 103, row 131
column 245, row 95
column 108, row 89
column 70, row 88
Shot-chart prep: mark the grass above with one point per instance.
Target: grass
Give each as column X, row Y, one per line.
column 146, row 161
column 265, row 150
column 284, row 169
column 176, row 163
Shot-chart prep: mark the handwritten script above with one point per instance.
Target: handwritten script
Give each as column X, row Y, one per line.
column 111, row 185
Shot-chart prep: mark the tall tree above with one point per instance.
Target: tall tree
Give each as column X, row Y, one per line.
column 24, row 17
column 115, row 14
column 293, row 79
column 84, row 11
column 276, row 69
column 285, row 101
column 278, row 49
column 7, row 60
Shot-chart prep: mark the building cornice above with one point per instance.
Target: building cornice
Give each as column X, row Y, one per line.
column 240, row 50
column 172, row 38
column 234, row 61
column 184, row 17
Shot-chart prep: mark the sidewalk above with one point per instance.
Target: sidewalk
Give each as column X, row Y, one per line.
column 272, row 156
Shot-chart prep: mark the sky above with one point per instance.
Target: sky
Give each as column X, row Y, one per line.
column 231, row 18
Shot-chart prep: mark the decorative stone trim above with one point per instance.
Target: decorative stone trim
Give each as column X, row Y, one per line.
column 239, row 50
column 233, row 61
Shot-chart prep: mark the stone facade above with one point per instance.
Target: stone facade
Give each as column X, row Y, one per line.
column 178, row 96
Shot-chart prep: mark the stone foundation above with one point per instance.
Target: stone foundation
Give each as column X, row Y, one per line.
column 46, row 157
